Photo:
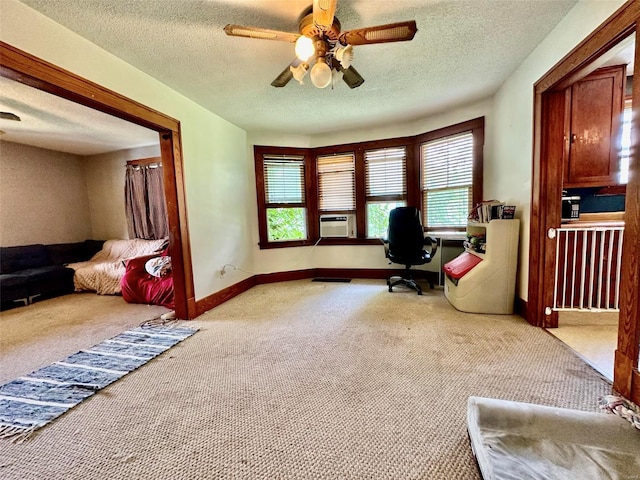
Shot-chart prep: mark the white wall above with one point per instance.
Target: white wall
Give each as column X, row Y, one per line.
column 105, row 176
column 508, row 174
column 214, row 151
column 43, row 196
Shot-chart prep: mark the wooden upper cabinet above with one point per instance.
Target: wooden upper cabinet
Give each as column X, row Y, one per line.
column 593, row 116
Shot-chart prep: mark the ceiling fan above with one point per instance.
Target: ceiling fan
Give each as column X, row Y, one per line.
column 322, row 43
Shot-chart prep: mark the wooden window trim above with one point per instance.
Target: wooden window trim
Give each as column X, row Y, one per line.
column 413, row 171
column 310, row 198
column 476, row 127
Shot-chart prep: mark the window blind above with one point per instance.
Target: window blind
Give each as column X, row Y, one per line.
column 447, row 180
column 284, row 180
column 385, row 176
column 336, row 183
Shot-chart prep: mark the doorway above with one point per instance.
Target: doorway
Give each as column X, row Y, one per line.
column 591, row 234
column 548, row 174
column 25, row 68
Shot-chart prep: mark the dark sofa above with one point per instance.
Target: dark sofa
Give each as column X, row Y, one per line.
column 34, row 272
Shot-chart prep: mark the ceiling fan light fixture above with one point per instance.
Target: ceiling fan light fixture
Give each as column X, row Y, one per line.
column 304, row 48
column 299, row 72
column 321, row 73
column 344, row 55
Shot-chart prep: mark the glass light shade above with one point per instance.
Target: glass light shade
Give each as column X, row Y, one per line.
column 320, row 74
column 304, row 48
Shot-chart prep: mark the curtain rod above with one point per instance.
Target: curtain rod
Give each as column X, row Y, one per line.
column 146, row 161
column 134, row 166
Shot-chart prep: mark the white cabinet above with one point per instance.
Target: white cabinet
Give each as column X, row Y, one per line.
column 489, row 287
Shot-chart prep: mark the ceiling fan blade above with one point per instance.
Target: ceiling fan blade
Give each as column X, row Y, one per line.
column 352, row 78
column 323, row 13
column 260, row 33
column 350, row 75
column 282, row 79
column 392, row 32
column 286, row 75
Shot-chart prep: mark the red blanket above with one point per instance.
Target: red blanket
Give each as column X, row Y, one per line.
column 138, row 286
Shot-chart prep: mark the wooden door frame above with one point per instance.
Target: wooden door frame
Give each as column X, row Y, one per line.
column 546, row 192
column 35, row 72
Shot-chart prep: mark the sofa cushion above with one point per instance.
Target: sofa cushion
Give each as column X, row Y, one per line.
column 13, row 287
column 52, row 272
column 91, row 247
column 65, row 253
column 8, row 280
column 14, row 259
column 49, row 281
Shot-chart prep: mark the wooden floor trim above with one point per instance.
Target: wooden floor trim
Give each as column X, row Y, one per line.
column 218, row 298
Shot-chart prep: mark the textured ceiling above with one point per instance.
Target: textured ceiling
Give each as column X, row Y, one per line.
column 47, row 121
column 463, row 51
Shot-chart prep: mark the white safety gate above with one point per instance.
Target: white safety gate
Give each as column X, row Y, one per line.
column 587, row 273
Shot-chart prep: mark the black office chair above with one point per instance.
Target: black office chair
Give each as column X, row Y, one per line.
column 405, row 245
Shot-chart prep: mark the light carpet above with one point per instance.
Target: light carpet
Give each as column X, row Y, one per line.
column 304, row 379
column 32, row 401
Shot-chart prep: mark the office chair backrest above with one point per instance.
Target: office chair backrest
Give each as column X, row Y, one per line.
column 405, row 234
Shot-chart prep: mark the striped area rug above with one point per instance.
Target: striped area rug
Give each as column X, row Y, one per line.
column 30, row 402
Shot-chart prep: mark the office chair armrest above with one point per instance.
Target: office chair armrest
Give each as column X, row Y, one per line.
column 433, row 243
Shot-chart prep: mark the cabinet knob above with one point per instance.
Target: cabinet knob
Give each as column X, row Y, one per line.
column 574, row 137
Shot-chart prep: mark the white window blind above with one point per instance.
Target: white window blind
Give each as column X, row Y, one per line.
column 385, row 174
column 447, row 180
column 284, row 180
column 336, row 183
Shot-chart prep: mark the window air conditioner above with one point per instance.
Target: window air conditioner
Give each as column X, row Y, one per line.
column 343, row 226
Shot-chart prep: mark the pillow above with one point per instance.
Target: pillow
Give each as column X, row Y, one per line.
column 158, row 266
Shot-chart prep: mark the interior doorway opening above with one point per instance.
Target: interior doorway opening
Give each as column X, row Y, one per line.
column 25, row 68
column 549, row 172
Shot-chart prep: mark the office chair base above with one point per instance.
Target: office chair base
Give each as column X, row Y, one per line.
column 406, row 282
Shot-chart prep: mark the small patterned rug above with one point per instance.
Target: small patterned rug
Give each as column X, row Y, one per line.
column 30, row 402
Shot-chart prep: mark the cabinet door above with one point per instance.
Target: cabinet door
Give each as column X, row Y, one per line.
column 594, row 138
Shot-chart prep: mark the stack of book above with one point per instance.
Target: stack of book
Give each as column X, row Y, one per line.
column 491, row 210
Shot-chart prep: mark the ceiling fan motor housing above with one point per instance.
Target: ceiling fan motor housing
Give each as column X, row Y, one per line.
column 309, row 29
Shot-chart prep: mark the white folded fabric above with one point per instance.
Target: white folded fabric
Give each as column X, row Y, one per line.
column 522, row 441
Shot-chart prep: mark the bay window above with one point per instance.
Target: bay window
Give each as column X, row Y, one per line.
column 439, row 172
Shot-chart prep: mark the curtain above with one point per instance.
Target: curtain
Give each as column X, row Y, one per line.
column 145, row 206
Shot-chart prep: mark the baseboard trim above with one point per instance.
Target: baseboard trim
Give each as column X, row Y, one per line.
column 205, row 304
column 520, row 307
column 275, row 277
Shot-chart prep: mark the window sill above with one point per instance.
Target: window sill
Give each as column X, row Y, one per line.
column 323, row 242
